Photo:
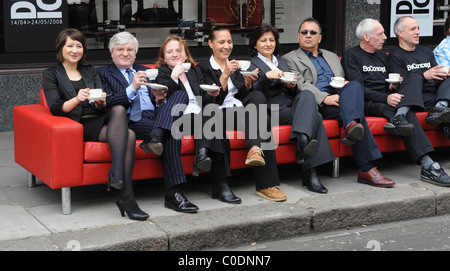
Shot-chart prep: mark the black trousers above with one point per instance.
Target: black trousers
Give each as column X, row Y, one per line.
column 432, row 96
column 418, row 143
column 162, row 118
column 236, row 118
column 304, row 117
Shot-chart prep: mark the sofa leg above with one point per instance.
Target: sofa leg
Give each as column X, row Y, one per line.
column 66, row 201
column 335, row 173
column 31, row 180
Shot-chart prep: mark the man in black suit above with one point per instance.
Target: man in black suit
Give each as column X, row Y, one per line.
column 149, row 114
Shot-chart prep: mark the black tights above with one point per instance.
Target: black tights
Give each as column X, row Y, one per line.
column 122, row 143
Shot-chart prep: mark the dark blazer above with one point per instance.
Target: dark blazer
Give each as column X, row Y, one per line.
column 58, row 88
column 275, row 90
column 213, row 76
column 194, row 76
column 115, row 84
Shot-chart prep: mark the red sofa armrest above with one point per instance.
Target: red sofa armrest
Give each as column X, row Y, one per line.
column 49, row 147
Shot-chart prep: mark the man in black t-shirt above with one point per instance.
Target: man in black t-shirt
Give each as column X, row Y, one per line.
column 409, row 57
column 367, row 64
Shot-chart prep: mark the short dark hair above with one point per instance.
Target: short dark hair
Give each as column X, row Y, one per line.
column 258, row 32
column 310, row 20
column 61, row 41
column 216, row 28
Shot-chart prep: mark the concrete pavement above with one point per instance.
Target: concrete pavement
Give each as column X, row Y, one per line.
column 31, row 219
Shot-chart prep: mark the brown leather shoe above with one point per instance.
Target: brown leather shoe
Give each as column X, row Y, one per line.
column 375, row 178
column 353, row 132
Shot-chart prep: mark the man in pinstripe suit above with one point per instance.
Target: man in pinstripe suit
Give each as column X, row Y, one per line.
column 149, row 114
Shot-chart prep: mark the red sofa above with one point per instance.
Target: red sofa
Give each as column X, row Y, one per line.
column 52, row 149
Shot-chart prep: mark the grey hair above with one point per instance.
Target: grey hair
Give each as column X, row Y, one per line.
column 123, row 38
column 398, row 25
column 365, row 27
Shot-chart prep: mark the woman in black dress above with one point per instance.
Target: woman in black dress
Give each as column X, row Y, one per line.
column 66, row 87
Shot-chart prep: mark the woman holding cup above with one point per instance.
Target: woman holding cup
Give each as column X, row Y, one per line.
column 178, row 72
column 295, row 108
column 236, row 92
column 67, row 90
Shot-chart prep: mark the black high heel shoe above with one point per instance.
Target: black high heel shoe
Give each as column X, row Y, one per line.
column 201, row 161
column 222, row 191
column 116, row 185
column 132, row 214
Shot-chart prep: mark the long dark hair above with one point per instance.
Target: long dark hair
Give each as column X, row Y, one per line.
column 258, row 32
column 61, row 41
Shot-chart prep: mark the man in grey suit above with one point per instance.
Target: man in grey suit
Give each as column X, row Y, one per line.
column 314, row 68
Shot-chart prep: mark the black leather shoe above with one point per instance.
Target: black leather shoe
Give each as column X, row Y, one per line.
column 178, row 202
column 438, row 115
column 398, row 125
column 310, row 180
column 201, row 161
column 153, row 144
column 305, row 148
column 222, row 191
column 435, row 175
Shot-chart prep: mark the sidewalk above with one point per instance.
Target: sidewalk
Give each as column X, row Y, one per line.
column 31, row 218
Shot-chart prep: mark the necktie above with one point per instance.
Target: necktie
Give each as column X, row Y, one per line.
column 135, row 111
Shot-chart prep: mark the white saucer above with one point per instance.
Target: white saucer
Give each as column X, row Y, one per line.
column 393, row 81
column 209, row 88
column 96, row 98
column 157, row 86
column 247, row 72
column 287, row 81
column 335, row 86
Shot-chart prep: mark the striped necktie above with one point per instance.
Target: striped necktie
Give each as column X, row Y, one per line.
column 135, row 111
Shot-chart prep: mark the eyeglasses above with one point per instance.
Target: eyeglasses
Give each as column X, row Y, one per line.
column 312, row 32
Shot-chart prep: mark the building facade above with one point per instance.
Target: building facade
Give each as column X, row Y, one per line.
column 28, row 30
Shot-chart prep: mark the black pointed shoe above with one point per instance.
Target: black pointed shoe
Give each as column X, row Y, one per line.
column 178, row 202
column 222, row 191
column 133, row 213
column 201, row 161
column 311, row 180
column 305, row 148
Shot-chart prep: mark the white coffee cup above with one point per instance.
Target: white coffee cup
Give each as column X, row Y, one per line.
column 186, row 66
column 289, row 75
column 446, row 69
column 95, row 92
column 244, row 64
column 338, row 81
column 394, row 76
column 151, row 73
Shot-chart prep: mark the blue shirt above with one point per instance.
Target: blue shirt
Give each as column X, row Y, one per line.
column 324, row 72
column 146, row 103
column 442, row 52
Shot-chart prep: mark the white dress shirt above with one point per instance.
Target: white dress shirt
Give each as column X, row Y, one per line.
column 229, row 101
